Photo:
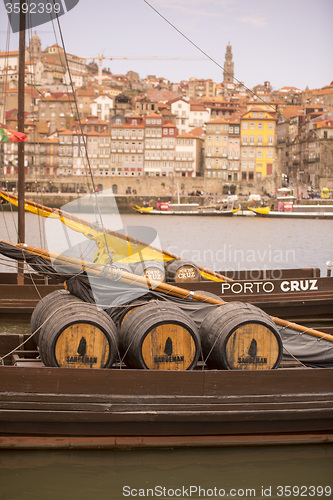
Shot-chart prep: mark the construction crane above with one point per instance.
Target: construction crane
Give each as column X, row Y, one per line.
column 101, row 57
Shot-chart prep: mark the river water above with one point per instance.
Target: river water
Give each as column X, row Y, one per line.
column 253, row 472
column 220, row 243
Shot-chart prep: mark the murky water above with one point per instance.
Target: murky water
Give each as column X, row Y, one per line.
column 220, row 243
column 197, row 473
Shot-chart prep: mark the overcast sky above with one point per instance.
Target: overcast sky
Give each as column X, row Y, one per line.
column 287, row 42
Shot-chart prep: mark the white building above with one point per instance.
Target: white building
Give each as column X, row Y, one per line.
column 102, row 106
column 188, row 154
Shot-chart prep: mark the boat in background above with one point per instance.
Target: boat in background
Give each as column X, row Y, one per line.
column 188, row 209
column 290, row 211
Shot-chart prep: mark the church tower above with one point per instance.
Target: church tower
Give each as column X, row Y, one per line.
column 35, row 48
column 228, row 73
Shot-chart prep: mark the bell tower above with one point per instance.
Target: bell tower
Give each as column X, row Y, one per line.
column 228, row 73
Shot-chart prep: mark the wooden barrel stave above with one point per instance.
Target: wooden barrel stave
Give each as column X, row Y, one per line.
column 80, row 337
column 240, row 336
column 47, row 306
column 159, row 336
column 151, row 269
column 181, row 271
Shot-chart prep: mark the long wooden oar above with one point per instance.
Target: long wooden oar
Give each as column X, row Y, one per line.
column 62, row 214
column 156, row 285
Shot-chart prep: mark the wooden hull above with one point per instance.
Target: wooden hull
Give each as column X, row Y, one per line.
column 298, row 295
column 66, row 408
column 226, row 213
column 295, row 215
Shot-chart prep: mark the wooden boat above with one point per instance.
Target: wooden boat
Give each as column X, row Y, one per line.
column 297, row 212
column 186, row 209
column 76, row 409
column 42, row 406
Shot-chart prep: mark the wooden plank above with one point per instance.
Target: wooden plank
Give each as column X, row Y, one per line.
column 193, row 383
column 126, row 442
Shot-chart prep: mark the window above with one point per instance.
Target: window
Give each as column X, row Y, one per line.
column 270, row 140
column 244, row 140
column 252, row 125
column 244, row 175
column 259, row 153
column 217, row 151
column 260, row 142
column 270, row 125
column 251, row 140
column 258, row 176
column 250, row 176
column 260, row 125
column 254, row 114
column 245, row 125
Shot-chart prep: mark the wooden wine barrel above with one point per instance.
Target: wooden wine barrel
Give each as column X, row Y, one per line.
column 79, row 337
column 59, row 299
column 122, row 266
column 159, row 336
column 151, row 269
column 238, row 336
column 181, row 271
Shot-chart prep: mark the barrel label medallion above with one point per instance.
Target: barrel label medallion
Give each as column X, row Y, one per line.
column 168, row 347
column 82, row 346
column 252, row 347
column 154, row 274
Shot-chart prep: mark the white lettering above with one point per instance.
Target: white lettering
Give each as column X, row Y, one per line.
column 225, row 286
column 126, row 491
column 267, row 284
column 313, row 285
column 294, row 286
column 304, row 284
column 248, row 287
column 285, row 286
column 233, row 287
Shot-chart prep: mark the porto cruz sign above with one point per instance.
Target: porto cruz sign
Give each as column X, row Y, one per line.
column 268, row 287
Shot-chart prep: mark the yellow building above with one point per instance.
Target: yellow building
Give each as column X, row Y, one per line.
column 258, row 144
column 222, row 149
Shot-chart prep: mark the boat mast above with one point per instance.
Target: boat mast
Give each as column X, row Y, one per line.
column 20, row 126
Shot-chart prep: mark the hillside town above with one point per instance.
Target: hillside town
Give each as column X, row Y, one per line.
column 148, row 136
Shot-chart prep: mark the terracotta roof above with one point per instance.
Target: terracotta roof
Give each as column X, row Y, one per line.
column 291, row 111
column 9, row 54
column 187, row 135
column 66, row 132
column 289, row 89
column 197, row 107
column 197, row 132
column 218, row 120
